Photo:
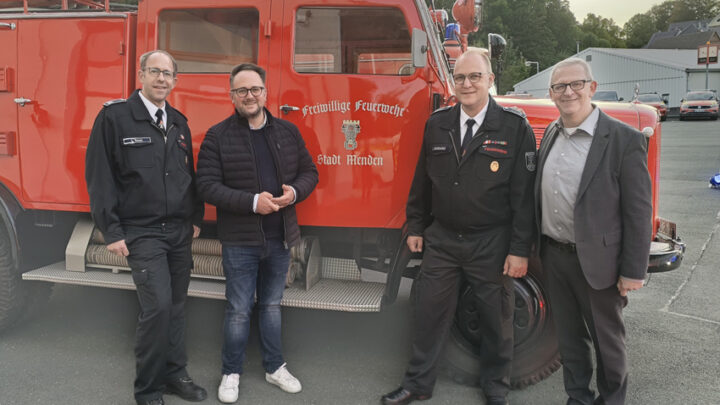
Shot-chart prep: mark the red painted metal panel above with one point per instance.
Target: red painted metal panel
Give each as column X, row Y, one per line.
column 9, row 162
column 68, row 67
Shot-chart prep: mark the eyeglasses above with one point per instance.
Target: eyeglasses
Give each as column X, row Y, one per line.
column 575, row 85
column 155, row 72
column 243, row 91
column 473, row 77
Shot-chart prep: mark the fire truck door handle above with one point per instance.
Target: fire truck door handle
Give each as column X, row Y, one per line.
column 8, row 25
column 22, row 101
column 287, row 108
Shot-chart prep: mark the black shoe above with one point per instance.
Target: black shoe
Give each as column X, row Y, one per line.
column 401, row 396
column 156, row 401
column 496, row 401
column 186, row 389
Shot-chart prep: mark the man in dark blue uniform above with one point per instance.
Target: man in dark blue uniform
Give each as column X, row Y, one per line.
column 140, row 176
column 470, row 210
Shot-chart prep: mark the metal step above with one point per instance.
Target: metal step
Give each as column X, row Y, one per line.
column 327, row 294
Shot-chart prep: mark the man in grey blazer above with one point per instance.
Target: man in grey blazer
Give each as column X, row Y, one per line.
column 594, row 221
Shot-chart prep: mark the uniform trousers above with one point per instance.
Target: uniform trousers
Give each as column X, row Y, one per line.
column 160, row 259
column 586, row 317
column 448, row 258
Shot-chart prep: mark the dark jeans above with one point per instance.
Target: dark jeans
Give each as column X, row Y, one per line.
column 160, row 260
column 249, row 271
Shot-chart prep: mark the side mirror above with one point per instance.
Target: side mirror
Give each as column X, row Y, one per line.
column 620, row 99
column 666, row 98
column 419, row 48
column 496, row 45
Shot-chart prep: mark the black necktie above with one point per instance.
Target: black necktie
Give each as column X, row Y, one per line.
column 159, row 120
column 468, row 134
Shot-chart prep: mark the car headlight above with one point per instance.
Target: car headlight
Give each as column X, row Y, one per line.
column 713, row 104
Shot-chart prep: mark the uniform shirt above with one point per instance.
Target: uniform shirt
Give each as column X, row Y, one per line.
column 152, row 109
column 561, row 178
column 479, row 118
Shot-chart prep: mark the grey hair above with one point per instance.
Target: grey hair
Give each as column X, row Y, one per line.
column 146, row 55
column 572, row 62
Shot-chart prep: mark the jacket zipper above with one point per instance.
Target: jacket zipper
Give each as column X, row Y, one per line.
column 257, row 178
column 165, row 134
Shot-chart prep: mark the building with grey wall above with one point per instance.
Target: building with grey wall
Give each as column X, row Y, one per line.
column 672, row 71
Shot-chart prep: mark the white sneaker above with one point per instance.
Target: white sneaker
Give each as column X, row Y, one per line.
column 228, row 389
column 283, row 379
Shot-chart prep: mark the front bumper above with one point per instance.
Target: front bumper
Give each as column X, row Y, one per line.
column 699, row 113
column 667, row 250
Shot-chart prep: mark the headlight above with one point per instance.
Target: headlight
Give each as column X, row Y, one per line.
column 713, row 104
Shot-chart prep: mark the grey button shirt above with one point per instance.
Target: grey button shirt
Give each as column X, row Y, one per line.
column 561, row 178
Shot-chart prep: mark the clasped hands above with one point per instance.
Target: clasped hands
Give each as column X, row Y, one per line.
column 267, row 204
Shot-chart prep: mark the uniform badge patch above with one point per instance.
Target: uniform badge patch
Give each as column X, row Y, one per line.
column 494, row 166
column 530, row 161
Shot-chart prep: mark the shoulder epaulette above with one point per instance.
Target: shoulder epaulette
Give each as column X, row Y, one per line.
column 179, row 113
column 515, row 110
column 441, row 109
column 116, row 101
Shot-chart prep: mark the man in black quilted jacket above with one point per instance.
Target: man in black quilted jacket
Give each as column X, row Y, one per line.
column 254, row 168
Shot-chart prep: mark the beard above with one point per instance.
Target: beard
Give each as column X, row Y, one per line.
column 250, row 115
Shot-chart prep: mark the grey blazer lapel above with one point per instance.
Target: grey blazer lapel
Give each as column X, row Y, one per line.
column 595, row 154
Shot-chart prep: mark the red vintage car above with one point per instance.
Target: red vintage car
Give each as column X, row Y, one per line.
column 653, row 99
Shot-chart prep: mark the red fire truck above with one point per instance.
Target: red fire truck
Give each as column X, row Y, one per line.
column 358, row 78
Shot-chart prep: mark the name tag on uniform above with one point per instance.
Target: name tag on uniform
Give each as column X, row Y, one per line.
column 439, row 148
column 141, row 140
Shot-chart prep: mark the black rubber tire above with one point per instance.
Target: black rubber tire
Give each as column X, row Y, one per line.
column 536, row 354
column 11, row 295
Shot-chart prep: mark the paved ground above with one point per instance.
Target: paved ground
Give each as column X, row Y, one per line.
column 79, row 348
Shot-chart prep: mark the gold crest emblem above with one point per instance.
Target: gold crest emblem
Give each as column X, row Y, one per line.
column 494, row 166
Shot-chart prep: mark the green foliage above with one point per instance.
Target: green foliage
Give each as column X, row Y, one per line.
column 638, row 30
column 546, row 31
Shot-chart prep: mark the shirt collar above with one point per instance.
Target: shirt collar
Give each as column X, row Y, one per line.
column 479, row 118
column 589, row 125
column 152, row 108
column 262, row 125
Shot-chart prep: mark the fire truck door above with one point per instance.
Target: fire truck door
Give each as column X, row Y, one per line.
column 348, row 83
column 207, row 41
column 9, row 168
column 67, row 68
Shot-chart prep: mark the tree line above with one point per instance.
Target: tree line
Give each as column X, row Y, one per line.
column 546, row 31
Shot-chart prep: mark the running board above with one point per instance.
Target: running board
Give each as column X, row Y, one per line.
column 326, row 294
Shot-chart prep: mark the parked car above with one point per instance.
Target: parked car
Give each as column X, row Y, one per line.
column 606, row 95
column 653, row 99
column 701, row 103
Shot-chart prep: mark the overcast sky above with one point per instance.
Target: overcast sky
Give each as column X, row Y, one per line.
column 619, row 10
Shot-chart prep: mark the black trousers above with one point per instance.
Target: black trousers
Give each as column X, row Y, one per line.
column 160, row 259
column 449, row 257
column 583, row 317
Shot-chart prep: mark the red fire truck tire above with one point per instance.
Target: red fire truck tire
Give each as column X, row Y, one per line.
column 536, row 354
column 11, row 302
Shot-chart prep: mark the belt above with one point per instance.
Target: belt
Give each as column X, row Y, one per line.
column 565, row 247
